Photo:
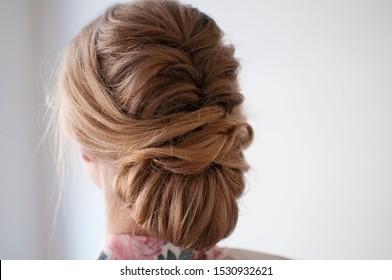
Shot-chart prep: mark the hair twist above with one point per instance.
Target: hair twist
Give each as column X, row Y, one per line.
column 151, row 87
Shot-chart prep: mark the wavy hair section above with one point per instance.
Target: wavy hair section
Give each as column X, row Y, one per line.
column 151, row 88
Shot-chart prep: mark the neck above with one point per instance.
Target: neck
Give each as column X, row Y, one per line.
column 118, row 218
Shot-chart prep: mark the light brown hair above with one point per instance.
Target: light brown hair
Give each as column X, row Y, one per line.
column 151, row 87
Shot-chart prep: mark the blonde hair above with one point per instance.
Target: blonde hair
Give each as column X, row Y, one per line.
column 151, row 87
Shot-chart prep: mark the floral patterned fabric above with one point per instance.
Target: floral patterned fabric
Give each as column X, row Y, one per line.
column 130, row 247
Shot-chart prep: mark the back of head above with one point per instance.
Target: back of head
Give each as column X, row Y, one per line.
column 151, row 88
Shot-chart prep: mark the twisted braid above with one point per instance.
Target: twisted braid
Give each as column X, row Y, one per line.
column 150, row 87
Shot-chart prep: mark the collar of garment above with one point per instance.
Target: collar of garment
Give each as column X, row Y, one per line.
column 133, row 247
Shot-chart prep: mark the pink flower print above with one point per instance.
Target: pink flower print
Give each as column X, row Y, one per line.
column 199, row 255
column 214, row 252
column 128, row 247
column 148, row 247
column 119, row 249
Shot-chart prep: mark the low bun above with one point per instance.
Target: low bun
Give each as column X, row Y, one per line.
column 185, row 190
column 191, row 211
column 151, row 88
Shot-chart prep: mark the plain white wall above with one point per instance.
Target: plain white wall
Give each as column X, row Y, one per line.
column 27, row 203
column 317, row 78
column 19, row 201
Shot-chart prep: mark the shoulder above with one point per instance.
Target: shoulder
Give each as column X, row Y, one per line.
column 240, row 254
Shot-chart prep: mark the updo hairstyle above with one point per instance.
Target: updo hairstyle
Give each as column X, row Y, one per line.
column 151, row 88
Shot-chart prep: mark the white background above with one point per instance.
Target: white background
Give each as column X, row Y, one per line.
column 317, row 78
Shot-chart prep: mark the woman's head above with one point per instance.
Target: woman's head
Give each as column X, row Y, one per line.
column 151, row 89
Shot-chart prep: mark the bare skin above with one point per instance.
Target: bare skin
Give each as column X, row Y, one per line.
column 118, row 218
